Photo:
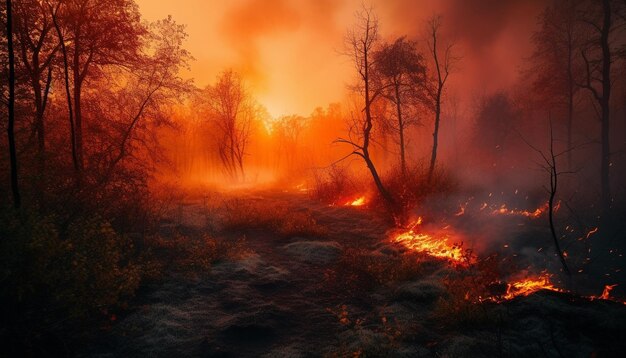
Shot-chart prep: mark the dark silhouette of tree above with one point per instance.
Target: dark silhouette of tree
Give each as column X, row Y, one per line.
column 35, row 31
column 17, row 201
column 231, row 110
column 550, row 166
column 97, row 33
column 598, row 56
column 401, row 72
column 443, row 62
column 360, row 42
column 556, row 65
column 66, row 82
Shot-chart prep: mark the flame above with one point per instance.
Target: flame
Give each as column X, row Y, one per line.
column 606, row 293
column 357, row 202
column 530, row 285
column 503, row 210
column 433, row 245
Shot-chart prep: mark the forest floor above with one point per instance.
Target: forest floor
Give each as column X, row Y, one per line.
column 333, row 295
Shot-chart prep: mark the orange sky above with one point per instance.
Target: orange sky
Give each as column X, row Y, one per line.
column 289, row 49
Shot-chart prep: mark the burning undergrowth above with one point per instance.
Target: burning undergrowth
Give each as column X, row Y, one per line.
column 500, row 250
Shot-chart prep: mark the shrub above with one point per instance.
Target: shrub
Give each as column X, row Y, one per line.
column 336, row 183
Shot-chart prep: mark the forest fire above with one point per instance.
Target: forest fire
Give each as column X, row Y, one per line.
column 530, row 285
column 216, row 181
column 437, row 245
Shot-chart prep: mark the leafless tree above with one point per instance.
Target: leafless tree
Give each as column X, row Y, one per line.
column 360, row 43
column 232, row 111
column 555, row 65
column 550, row 166
column 598, row 56
column 443, row 62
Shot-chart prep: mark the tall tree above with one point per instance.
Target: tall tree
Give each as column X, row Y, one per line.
column 54, row 10
column 402, row 74
column 598, row 57
column 231, row 110
column 17, row 201
column 35, row 30
column 555, row 66
column 98, row 33
column 360, row 43
column 443, row 62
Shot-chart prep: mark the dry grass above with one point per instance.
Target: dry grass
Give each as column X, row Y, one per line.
column 361, row 270
column 189, row 254
column 245, row 215
column 337, row 183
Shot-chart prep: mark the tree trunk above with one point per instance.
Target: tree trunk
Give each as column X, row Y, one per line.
column 17, row 200
column 605, row 104
column 66, row 78
column 78, row 115
column 367, row 130
column 401, row 128
column 570, row 103
column 433, row 157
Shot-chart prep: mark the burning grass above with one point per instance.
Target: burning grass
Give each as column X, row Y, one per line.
column 439, row 244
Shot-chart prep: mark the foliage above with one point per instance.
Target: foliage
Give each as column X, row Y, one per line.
column 56, row 269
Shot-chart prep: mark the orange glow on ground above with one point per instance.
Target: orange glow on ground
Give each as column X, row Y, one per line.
column 503, row 210
column 530, row 285
column 357, row 202
column 436, row 245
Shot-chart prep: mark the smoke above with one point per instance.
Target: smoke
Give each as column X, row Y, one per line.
column 246, row 24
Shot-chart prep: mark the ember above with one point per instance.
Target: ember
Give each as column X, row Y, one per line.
column 503, row 210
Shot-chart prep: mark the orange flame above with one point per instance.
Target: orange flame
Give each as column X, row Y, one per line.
column 529, row 286
column 357, row 202
column 433, row 245
column 503, row 210
column 606, row 293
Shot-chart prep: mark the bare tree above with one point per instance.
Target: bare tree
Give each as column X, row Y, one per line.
column 443, row 61
column 550, row 166
column 597, row 80
column 402, row 74
column 232, row 111
column 17, row 200
column 360, row 42
column 555, row 66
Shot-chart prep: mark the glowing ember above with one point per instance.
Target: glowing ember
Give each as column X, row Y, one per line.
column 503, row 210
column 529, row 286
column 593, row 231
column 357, row 202
column 606, row 293
column 437, row 246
